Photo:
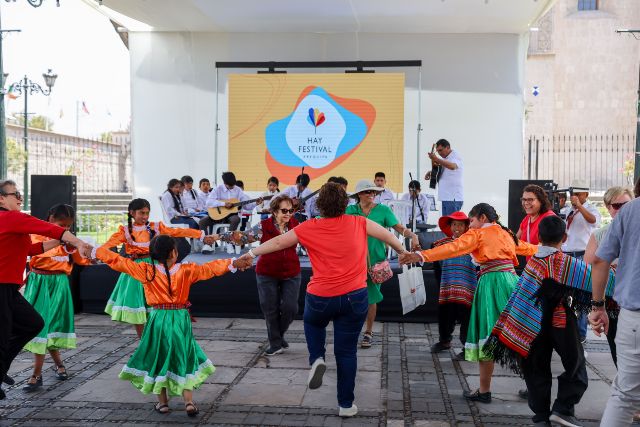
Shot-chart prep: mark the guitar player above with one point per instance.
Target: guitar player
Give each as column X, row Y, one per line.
column 298, row 192
column 450, row 191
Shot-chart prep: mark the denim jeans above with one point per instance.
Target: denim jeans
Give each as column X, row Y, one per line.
column 279, row 304
column 348, row 313
column 451, row 206
column 185, row 220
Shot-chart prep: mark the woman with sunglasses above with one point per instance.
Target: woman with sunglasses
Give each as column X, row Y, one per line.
column 537, row 206
column 614, row 199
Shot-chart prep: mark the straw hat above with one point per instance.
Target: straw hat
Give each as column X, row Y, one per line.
column 580, row 184
column 445, row 222
column 365, row 185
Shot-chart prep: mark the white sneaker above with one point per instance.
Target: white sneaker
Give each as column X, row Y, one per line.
column 207, row 249
column 316, row 373
column 230, row 249
column 348, row 412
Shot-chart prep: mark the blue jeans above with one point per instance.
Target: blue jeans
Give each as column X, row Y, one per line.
column 451, row 206
column 348, row 313
column 185, row 220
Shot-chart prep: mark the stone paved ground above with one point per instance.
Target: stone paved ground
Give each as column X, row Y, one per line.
column 400, row 383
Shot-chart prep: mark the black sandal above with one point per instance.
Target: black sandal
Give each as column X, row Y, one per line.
column 62, row 376
column 159, row 408
column 31, row 387
column 191, row 412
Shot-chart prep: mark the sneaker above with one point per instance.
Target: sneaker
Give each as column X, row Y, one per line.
column 31, row 387
column 231, row 249
column 348, row 412
column 285, row 344
column 476, row 396
column 316, row 373
column 273, row 351
column 583, row 340
column 542, row 424
column 564, row 420
column 439, row 347
column 523, row 394
column 8, row 380
column 207, row 249
column 367, row 338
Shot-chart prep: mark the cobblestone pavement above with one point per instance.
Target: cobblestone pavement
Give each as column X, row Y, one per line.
column 399, row 383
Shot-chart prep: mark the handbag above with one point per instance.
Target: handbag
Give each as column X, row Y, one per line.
column 412, row 291
column 380, row 272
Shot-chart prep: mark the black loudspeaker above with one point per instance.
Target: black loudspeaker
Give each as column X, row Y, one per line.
column 49, row 190
column 516, row 213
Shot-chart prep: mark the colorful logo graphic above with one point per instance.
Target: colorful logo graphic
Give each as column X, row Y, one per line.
column 299, row 139
column 316, row 118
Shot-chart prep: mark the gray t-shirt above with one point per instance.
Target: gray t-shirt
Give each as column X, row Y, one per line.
column 623, row 241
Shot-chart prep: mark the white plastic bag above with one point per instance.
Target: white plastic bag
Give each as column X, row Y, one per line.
column 412, row 292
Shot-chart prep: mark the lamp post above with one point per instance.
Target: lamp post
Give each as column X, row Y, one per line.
column 27, row 87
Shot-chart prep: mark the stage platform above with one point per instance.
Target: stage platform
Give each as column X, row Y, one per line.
column 235, row 295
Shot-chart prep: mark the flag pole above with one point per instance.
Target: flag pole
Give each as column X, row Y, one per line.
column 77, row 117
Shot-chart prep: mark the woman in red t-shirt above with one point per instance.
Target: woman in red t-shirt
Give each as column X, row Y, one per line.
column 337, row 248
column 537, row 206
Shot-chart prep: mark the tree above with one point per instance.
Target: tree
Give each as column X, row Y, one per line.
column 16, row 156
column 36, row 122
column 106, row 137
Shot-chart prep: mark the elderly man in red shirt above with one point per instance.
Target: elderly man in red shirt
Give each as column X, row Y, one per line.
column 19, row 322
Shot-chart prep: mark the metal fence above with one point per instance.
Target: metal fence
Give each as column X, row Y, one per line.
column 603, row 161
column 98, row 226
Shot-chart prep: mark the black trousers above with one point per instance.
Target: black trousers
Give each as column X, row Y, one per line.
column 572, row 383
column 232, row 220
column 279, row 304
column 448, row 315
column 19, row 323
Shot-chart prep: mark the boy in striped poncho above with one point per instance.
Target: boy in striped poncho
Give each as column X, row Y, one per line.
column 538, row 320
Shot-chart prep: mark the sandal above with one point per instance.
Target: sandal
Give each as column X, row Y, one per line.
column 33, row 386
column 162, row 408
column 60, row 375
column 191, row 412
column 367, row 338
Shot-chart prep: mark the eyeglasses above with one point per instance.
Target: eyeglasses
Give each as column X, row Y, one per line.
column 368, row 192
column 287, row 211
column 523, row 200
column 617, row 206
column 16, row 194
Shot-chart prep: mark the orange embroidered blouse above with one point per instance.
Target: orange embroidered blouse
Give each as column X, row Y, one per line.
column 156, row 288
column 140, row 246
column 56, row 259
column 484, row 244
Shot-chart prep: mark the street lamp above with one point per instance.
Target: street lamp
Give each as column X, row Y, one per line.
column 28, row 87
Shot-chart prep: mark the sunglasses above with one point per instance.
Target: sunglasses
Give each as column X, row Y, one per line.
column 287, row 211
column 16, row 194
column 617, row 206
column 368, row 192
column 523, row 200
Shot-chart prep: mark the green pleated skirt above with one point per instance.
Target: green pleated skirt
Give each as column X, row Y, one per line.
column 492, row 294
column 168, row 356
column 51, row 297
column 127, row 303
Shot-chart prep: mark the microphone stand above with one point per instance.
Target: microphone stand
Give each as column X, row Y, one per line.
column 413, row 208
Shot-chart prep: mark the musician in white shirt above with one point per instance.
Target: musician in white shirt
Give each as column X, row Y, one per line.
column 298, row 192
column 204, row 187
column 386, row 194
column 273, row 189
column 190, row 199
column 421, row 207
column 174, row 206
column 450, row 188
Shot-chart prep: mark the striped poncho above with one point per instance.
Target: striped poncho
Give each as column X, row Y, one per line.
column 458, row 278
column 549, row 277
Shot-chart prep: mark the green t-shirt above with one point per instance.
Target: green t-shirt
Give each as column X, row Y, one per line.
column 382, row 215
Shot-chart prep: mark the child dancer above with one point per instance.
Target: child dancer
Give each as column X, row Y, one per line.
column 126, row 303
column 168, row 360
column 47, row 290
column 494, row 247
column 457, row 278
column 538, row 320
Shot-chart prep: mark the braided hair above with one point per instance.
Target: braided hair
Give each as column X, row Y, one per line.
column 135, row 205
column 176, row 201
column 160, row 249
column 188, row 180
column 492, row 216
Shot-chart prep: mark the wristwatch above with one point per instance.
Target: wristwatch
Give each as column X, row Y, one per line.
column 598, row 304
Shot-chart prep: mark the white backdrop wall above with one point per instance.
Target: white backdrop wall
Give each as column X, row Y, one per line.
column 471, row 95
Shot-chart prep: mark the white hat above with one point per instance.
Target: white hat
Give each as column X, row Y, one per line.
column 579, row 184
column 365, row 185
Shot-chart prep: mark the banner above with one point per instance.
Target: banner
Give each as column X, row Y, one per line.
column 349, row 125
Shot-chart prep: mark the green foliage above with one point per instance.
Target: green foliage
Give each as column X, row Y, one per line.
column 99, row 226
column 106, row 137
column 36, row 122
column 16, row 156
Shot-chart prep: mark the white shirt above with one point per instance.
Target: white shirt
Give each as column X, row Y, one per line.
column 265, row 205
column 422, row 207
column 191, row 201
column 450, row 184
column 293, row 193
column 203, row 197
column 221, row 193
column 384, row 196
column 579, row 230
column 169, row 207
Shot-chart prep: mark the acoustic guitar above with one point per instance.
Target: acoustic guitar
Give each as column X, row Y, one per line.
column 436, row 171
column 221, row 212
column 298, row 204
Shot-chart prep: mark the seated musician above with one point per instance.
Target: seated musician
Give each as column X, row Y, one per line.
column 299, row 192
column 421, row 206
column 220, row 197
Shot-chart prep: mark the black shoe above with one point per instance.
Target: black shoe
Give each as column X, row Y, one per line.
column 60, row 375
column 476, row 396
column 8, row 380
column 31, row 387
column 542, row 424
column 271, row 351
column 564, row 420
column 523, row 394
column 438, row 347
column 459, row 357
column 2, row 395
column 285, row 344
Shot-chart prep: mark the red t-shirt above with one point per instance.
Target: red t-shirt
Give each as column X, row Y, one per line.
column 337, row 250
column 529, row 230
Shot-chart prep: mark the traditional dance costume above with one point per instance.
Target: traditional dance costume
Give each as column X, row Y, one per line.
column 47, row 290
column 126, row 303
column 495, row 251
column 458, row 280
column 168, row 356
column 538, row 320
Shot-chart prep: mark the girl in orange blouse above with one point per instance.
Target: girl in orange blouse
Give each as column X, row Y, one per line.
column 126, row 303
column 47, row 290
column 494, row 247
column 168, row 360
